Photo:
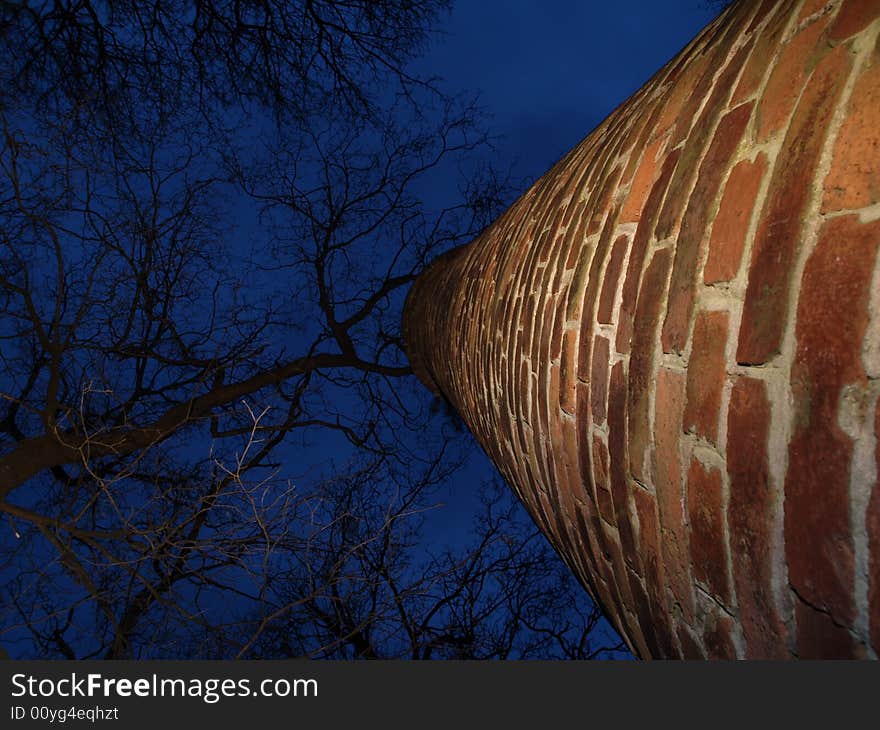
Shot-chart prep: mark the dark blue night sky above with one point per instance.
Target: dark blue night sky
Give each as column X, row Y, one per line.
column 549, row 72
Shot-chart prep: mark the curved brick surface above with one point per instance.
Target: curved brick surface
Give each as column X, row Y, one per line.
column 670, row 345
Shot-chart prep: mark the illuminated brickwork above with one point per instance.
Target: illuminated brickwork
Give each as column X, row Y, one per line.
column 670, row 345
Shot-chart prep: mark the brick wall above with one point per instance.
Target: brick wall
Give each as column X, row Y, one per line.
column 670, row 345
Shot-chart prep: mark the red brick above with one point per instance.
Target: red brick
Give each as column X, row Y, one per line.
column 717, row 636
column 590, row 294
column 630, row 619
column 641, row 361
column 679, row 94
column 708, row 547
column 637, row 254
column 599, row 201
column 745, row 17
column 541, row 333
column 819, row 637
column 548, row 514
column 585, row 463
column 811, row 7
column 854, row 179
column 617, row 443
column 766, row 9
column 568, row 370
column 787, row 79
column 558, row 320
column 579, row 280
column 766, row 301
column 611, row 279
column 731, row 224
column 574, row 235
column 599, row 378
column 716, row 89
column 571, row 476
column 642, row 606
column 564, row 511
column 551, row 395
column 597, row 563
column 649, row 543
column 603, row 487
column 530, row 500
column 527, row 317
column 832, row 319
column 695, row 145
column 647, row 120
column 690, row 648
column 524, row 385
column 692, row 236
column 669, row 404
column 570, row 176
column 707, row 372
column 575, row 205
column 542, row 246
column 766, row 47
column 616, row 575
column 606, row 602
column 641, row 184
column 496, row 305
column 853, row 17
column 751, row 516
column 586, row 185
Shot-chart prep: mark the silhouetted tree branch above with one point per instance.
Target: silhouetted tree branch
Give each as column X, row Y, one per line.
column 362, row 594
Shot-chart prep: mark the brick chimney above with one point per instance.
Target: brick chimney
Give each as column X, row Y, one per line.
column 670, row 345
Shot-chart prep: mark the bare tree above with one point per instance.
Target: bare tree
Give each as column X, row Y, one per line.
column 209, row 212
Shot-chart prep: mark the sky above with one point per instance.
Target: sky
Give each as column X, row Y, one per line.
column 549, row 71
